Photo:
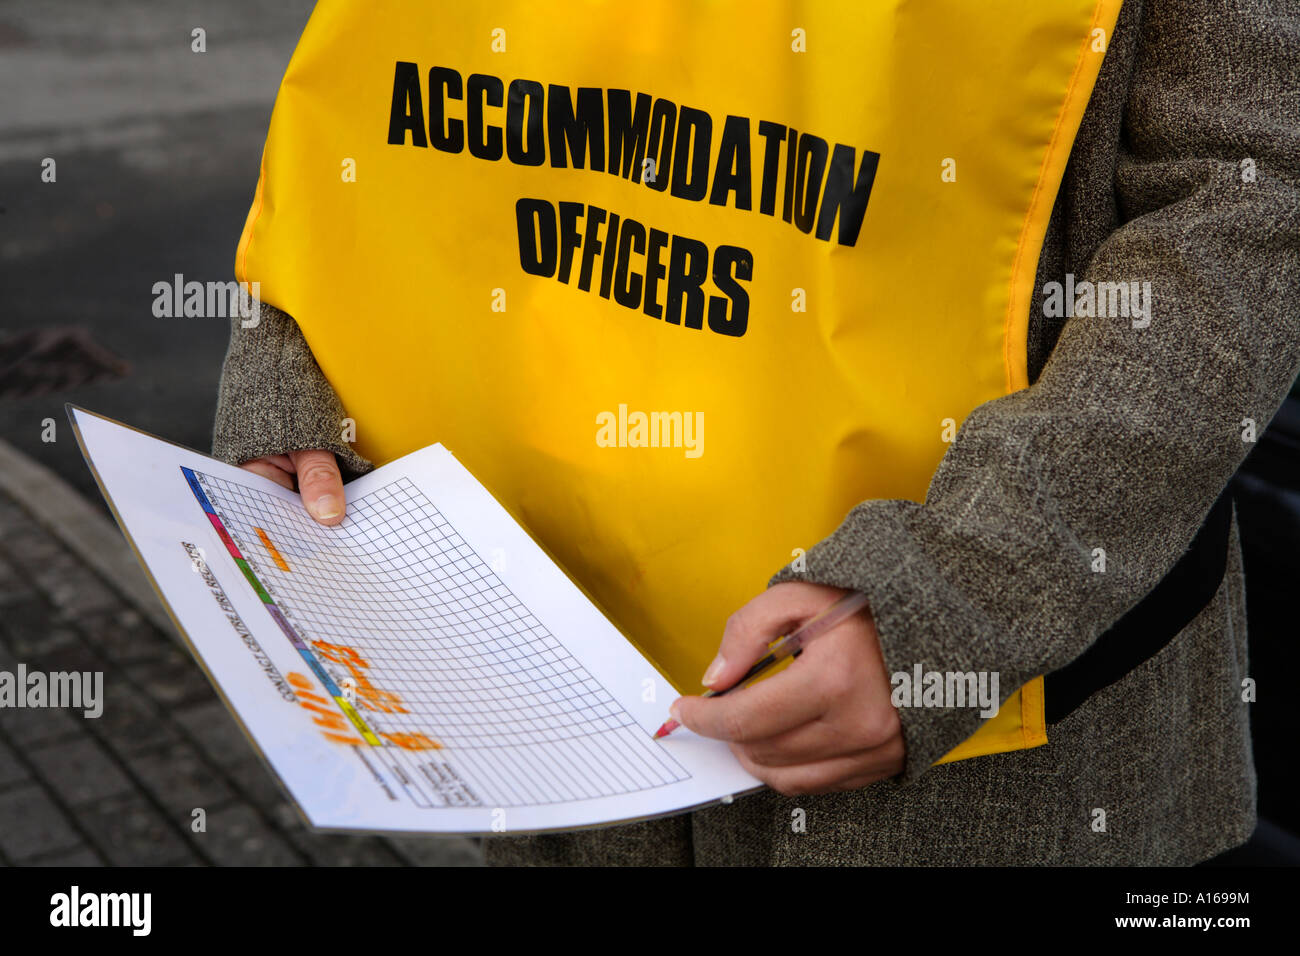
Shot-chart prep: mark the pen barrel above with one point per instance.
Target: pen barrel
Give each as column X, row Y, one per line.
column 766, row 661
column 792, row 644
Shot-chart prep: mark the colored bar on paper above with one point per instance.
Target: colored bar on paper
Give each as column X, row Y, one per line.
column 271, row 549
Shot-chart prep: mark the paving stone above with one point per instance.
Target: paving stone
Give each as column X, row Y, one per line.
column 13, row 586
column 12, row 770
column 129, row 831
column 33, row 824
column 256, row 781
column 216, row 731
column 172, row 679
column 79, row 771
column 238, row 836
column 83, row 856
column 333, row 849
column 438, row 851
column 180, row 779
column 14, row 518
column 28, row 544
column 31, row 725
column 29, row 632
column 130, row 722
column 286, row 816
column 68, row 657
column 33, row 550
column 71, row 586
column 124, row 636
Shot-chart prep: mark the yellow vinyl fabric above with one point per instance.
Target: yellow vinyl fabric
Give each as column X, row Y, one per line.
column 681, row 284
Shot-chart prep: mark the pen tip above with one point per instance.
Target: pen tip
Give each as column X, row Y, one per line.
column 668, row 727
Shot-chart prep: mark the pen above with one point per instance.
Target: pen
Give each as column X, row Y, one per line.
column 788, row 646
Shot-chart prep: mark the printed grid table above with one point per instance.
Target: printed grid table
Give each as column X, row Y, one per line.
column 458, row 689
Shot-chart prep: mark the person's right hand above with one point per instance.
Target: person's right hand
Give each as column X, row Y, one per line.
column 313, row 473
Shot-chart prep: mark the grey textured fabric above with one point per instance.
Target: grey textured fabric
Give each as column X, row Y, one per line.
column 1123, row 441
column 273, row 398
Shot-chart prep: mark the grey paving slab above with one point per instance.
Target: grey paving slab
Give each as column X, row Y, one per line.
column 26, row 726
column 82, row 856
column 30, row 629
column 125, row 636
column 439, row 851
column 172, row 679
column 12, row 771
column 131, row 722
column 239, row 836
column 216, row 731
column 13, row 587
column 181, row 780
column 129, row 831
column 32, row 824
column 80, row 771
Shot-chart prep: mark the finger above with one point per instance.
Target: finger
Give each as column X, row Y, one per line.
column 259, row 466
column 810, row 742
column 851, row 772
column 831, row 736
column 818, row 777
column 280, row 461
column 766, row 709
column 319, row 484
column 772, row 614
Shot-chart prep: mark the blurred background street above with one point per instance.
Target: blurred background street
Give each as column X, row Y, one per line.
column 156, row 151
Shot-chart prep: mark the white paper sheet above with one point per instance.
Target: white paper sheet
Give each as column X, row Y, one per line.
column 423, row 666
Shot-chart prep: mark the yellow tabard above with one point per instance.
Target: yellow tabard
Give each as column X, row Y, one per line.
column 680, row 284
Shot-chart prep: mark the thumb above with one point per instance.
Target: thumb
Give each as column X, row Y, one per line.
column 774, row 613
column 319, row 484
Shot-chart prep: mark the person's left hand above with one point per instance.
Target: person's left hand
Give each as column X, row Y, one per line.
column 825, row 722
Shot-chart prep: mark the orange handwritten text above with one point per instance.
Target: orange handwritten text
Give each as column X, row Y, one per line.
column 326, row 715
column 369, row 696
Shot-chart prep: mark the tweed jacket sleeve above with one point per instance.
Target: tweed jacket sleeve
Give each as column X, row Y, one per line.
column 1130, row 433
column 273, row 397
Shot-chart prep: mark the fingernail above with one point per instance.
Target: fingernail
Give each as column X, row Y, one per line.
column 714, row 670
column 326, row 506
column 672, row 712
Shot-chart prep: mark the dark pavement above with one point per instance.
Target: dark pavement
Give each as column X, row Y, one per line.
column 156, row 150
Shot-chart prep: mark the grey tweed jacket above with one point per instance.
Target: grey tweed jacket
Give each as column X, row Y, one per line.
column 1123, row 441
